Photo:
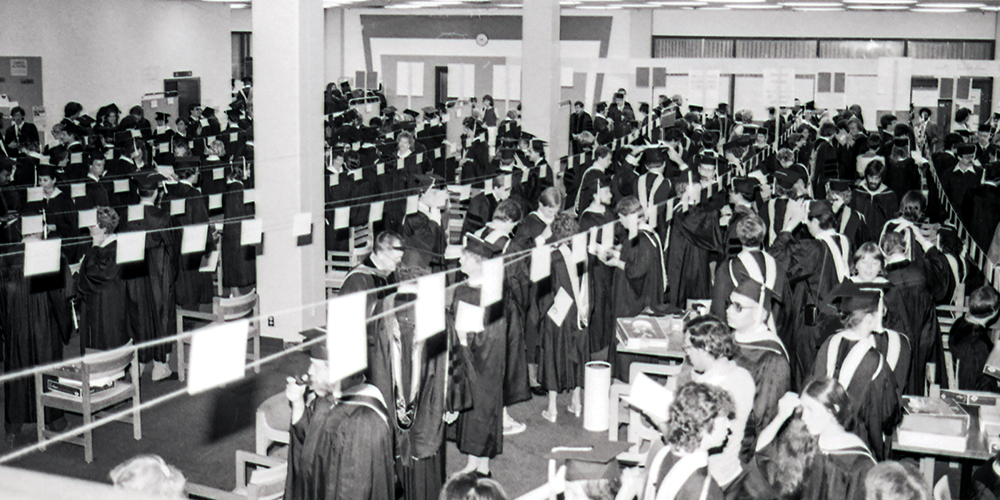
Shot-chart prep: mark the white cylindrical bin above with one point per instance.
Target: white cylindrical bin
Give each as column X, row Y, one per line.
column 596, row 390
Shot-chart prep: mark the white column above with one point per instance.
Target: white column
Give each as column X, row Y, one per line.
column 540, row 67
column 288, row 139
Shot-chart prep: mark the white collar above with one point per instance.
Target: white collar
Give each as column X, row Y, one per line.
column 185, row 181
column 91, row 176
column 761, row 332
column 107, row 241
column 840, row 441
column 55, row 192
column 959, row 169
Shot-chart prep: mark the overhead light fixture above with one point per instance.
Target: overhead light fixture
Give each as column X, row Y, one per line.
column 949, row 5
column 881, row 2
column 811, row 4
column 990, row 8
column 753, row 6
column 877, row 7
column 569, row 2
column 937, row 11
column 818, row 9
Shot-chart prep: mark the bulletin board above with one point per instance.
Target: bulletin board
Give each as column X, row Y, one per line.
column 21, row 85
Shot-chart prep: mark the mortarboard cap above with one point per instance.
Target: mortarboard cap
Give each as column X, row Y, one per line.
column 737, row 142
column 966, row 149
column 850, row 296
column 527, row 136
column 694, row 108
column 208, row 111
column 110, row 108
column 811, row 105
column 745, row 186
column 389, row 111
column 149, row 180
column 653, row 156
column 901, row 141
column 985, row 127
column 318, row 349
column 786, row 177
column 162, row 117
column 755, row 291
column 538, row 143
column 72, row 128
column 819, row 207
column 481, row 247
column 839, row 185
column 411, row 112
column 232, row 113
column 47, row 171
column 963, row 132
column 428, row 181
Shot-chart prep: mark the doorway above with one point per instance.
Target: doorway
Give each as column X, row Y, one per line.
column 187, row 91
column 440, row 84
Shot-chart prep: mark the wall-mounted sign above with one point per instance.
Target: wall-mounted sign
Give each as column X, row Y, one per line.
column 18, row 67
column 182, row 74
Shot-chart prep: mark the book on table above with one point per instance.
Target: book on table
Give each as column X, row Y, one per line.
column 934, row 423
column 650, row 332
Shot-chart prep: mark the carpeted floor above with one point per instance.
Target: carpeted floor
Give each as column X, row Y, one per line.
column 200, row 434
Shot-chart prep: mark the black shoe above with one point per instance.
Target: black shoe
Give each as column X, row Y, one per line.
column 537, row 390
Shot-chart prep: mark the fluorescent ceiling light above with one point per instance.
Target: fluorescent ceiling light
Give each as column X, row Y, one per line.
column 881, row 2
column 508, row 5
column 991, row 8
column 680, row 3
column 745, row 6
column 817, row 9
column 877, row 7
column 811, row 4
column 636, row 6
column 949, row 5
column 569, row 2
column 937, row 11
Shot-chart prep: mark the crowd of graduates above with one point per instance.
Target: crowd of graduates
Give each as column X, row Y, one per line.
column 819, row 246
column 93, row 179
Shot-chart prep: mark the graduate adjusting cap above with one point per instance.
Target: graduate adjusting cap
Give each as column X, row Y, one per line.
column 653, row 156
column 966, row 149
column 480, row 247
column 317, row 350
column 850, row 296
column 839, row 185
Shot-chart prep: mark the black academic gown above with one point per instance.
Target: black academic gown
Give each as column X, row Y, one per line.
column 341, row 450
column 877, row 207
column 834, row 473
column 150, row 283
column 780, row 294
column 239, row 262
column 477, row 163
column 413, row 381
column 638, row 286
column 565, row 347
column 101, row 293
column 35, row 322
column 875, row 399
column 424, row 236
column 986, row 482
column 902, row 176
column 694, row 236
column 348, row 188
column 767, row 361
column 193, row 286
column 602, row 319
column 480, row 212
column 811, row 276
column 479, row 429
column 530, row 227
column 971, row 345
column 919, row 314
column 957, row 184
column 980, row 212
column 366, row 276
column 61, row 212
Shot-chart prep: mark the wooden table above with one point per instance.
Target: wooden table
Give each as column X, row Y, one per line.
column 976, row 452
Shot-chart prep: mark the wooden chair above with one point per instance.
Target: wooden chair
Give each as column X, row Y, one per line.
column 273, row 419
column 638, row 432
column 258, row 477
column 89, row 379
column 340, row 262
column 947, row 316
column 223, row 309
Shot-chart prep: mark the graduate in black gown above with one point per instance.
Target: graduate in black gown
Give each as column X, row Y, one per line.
column 815, row 267
column 193, row 287
column 239, row 262
column 410, row 373
column 424, row 231
column 902, row 173
column 58, row 210
column 563, row 329
column 914, row 284
column 972, row 338
column 100, row 290
column 808, row 450
column 852, row 357
column 150, row 283
column 761, row 353
column 347, row 185
column 873, row 200
column 850, row 223
column 694, row 239
column 475, row 161
column 980, row 209
column 481, row 355
column 640, row 275
column 35, row 321
column 340, row 444
column 588, row 181
column 597, row 216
